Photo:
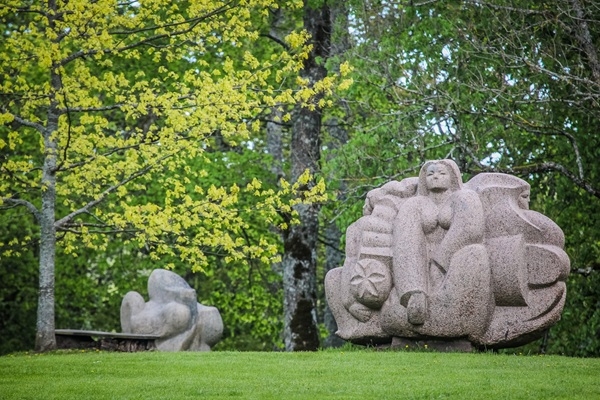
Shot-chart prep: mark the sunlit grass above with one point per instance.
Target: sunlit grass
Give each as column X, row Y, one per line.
column 340, row 374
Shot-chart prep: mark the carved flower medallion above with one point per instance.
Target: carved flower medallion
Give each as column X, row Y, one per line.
column 371, row 282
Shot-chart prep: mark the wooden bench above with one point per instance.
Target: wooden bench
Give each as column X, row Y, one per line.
column 81, row 339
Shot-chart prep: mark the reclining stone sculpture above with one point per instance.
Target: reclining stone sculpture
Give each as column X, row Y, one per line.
column 173, row 314
column 433, row 258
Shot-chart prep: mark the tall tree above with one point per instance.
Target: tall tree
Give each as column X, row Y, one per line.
column 498, row 86
column 300, row 241
column 70, row 69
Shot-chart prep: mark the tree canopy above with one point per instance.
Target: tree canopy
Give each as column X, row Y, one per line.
column 497, row 86
column 101, row 99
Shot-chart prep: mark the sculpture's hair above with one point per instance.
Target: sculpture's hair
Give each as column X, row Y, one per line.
column 494, row 187
column 455, row 176
column 485, row 181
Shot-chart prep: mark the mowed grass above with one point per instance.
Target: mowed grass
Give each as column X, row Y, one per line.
column 330, row 374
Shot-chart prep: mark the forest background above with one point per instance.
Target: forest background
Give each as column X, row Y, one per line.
column 190, row 127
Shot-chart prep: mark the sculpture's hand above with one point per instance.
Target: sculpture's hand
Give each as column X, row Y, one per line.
column 360, row 312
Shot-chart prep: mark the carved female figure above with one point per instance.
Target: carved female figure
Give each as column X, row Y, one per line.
column 442, row 280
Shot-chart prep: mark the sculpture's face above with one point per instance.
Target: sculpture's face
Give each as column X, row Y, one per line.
column 524, row 199
column 438, row 177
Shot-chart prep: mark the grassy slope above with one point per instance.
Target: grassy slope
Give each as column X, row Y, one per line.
column 322, row 375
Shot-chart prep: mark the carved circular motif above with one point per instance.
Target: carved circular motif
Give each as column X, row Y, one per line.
column 370, row 282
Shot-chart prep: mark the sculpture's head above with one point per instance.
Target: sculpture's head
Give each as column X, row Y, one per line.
column 494, row 188
column 524, row 198
column 439, row 176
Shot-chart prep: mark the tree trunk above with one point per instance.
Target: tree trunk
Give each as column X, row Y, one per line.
column 44, row 338
column 300, row 241
column 338, row 136
column 275, row 142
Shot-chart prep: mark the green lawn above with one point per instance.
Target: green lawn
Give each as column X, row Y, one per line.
column 322, row 375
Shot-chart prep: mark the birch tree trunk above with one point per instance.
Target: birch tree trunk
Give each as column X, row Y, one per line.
column 44, row 338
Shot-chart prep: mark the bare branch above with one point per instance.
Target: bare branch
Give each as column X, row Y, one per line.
column 107, row 154
column 585, row 38
column 219, row 10
column 321, row 239
column 24, row 203
column 66, row 148
column 85, row 209
column 552, row 166
column 148, row 41
column 25, row 122
column 422, row 3
column 276, row 40
column 25, row 10
column 100, row 231
column 91, row 109
column 505, row 8
column 531, row 128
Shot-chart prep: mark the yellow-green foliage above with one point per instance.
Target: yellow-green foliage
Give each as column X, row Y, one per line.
column 127, row 93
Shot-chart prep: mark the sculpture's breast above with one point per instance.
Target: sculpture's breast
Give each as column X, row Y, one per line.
column 445, row 216
column 429, row 216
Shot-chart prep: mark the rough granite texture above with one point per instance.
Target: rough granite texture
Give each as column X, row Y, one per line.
column 172, row 313
column 434, row 258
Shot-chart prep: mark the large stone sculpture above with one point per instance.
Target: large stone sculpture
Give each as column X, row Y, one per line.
column 173, row 314
column 433, row 258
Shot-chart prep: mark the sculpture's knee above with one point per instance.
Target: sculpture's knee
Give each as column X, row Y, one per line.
column 133, row 303
column 472, row 262
column 462, row 304
column 211, row 326
column 175, row 318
